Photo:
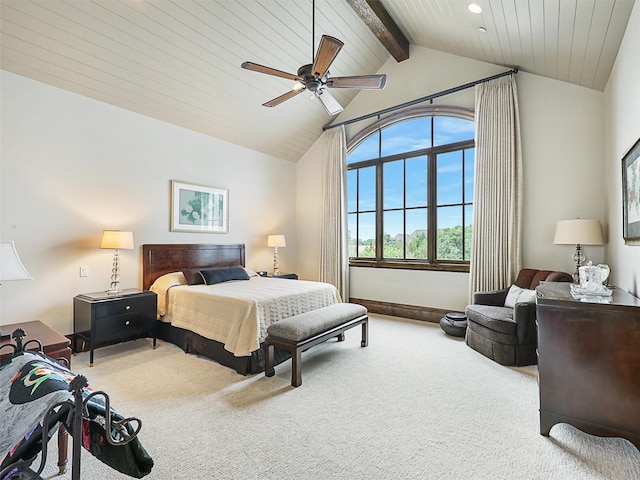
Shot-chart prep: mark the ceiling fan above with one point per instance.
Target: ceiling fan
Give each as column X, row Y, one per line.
column 315, row 76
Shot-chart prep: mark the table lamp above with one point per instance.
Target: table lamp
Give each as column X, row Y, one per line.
column 578, row 232
column 11, row 268
column 276, row 241
column 117, row 240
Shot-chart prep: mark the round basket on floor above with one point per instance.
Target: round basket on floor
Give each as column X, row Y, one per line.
column 454, row 324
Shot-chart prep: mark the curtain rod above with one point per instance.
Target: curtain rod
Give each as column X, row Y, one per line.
column 423, row 99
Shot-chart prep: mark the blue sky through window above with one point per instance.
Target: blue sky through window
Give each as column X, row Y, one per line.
column 405, row 181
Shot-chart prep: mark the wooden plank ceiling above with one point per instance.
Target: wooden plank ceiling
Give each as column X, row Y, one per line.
column 179, row 60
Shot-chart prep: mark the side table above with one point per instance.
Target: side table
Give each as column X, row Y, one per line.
column 99, row 317
column 290, row 276
column 54, row 345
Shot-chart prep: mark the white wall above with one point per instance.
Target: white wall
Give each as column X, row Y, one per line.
column 562, row 149
column 71, row 167
column 622, row 100
column 562, row 153
column 309, row 211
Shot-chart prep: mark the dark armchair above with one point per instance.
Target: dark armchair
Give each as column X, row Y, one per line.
column 507, row 333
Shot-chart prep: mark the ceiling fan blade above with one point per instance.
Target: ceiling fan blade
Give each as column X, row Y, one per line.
column 327, row 51
column 361, row 81
column 330, row 104
column 282, row 98
column 269, row 71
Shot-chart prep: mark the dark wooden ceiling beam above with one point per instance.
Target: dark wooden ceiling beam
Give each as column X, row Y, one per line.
column 376, row 17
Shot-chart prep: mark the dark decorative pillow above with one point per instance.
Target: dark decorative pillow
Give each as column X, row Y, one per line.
column 224, row 274
column 193, row 276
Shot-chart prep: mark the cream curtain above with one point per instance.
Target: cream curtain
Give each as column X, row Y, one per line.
column 496, row 256
column 334, row 253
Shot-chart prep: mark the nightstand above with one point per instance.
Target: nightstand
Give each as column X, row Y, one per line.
column 291, row 276
column 99, row 317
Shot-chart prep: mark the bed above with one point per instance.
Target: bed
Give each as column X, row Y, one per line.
column 226, row 321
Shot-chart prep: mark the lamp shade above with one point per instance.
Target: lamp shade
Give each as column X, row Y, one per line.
column 578, row 232
column 11, row 268
column 117, row 239
column 276, row 241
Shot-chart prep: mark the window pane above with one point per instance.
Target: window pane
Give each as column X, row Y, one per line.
column 449, row 238
column 417, row 233
column 367, row 150
column 451, row 130
column 352, row 190
column 408, row 184
column 406, row 136
column 468, row 231
column 367, row 235
column 416, row 182
column 352, row 219
column 449, row 168
column 393, row 185
column 393, row 235
column 469, row 162
column 367, row 189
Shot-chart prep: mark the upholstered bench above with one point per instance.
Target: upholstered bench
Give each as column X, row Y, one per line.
column 301, row 332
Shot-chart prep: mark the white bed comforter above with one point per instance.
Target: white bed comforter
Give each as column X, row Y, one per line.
column 237, row 313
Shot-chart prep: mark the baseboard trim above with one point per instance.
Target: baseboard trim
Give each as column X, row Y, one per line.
column 414, row 312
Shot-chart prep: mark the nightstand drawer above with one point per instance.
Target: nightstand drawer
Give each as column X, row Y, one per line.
column 124, row 306
column 121, row 326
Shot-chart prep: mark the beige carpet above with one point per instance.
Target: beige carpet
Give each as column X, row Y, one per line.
column 414, row 404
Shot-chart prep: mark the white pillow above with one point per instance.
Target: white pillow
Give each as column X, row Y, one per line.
column 163, row 284
column 519, row 295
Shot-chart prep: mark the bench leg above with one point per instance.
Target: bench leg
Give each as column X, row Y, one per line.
column 296, row 367
column 269, row 371
column 365, row 333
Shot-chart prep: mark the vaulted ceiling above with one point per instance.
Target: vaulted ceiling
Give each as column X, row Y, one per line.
column 179, row 60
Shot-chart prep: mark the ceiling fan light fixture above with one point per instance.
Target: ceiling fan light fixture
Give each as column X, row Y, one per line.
column 329, row 103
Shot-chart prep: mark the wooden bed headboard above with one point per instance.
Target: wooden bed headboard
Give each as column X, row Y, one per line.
column 158, row 259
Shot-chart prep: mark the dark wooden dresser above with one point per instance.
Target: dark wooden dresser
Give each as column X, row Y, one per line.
column 589, row 362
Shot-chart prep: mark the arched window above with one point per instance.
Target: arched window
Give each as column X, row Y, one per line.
column 410, row 190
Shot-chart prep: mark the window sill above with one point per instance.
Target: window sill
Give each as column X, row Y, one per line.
column 408, row 265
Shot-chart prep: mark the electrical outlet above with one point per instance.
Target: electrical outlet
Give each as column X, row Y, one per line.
column 84, row 271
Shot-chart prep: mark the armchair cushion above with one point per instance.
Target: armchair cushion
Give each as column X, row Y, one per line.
column 499, row 319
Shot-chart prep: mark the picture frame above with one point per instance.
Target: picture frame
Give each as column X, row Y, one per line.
column 631, row 193
column 198, row 208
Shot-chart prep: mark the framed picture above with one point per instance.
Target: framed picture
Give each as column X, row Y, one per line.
column 196, row 208
column 631, row 193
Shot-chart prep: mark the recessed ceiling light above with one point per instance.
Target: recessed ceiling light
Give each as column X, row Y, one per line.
column 474, row 8
column 482, row 30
